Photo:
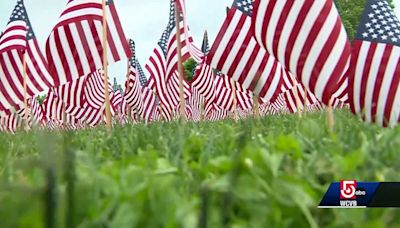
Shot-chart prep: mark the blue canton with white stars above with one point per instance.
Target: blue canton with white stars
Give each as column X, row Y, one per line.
column 142, row 76
column 246, row 6
column 134, row 62
column 19, row 14
column 170, row 27
column 379, row 24
column 205, row 47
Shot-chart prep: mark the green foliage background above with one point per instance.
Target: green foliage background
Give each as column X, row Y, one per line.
column 271, row 172
column 190, row 67
column 350, row 12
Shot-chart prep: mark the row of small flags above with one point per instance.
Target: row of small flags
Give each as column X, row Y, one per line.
column 269, row 57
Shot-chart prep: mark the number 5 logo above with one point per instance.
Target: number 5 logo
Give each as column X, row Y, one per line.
column 348, row 189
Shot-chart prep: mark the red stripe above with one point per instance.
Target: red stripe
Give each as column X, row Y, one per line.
column 16, row 79
column 240, row 54
column 279, row 27
column 96, row 38
column 312, row 35
column 305, row 9
column 120, row 31
column 85, row 45
column 394, row 87
column 62, row 56
column 111, row 44
column 365, row 76
column 352, row 72
column 378, row 81
column 74, row 51
column 2, row 88
column 229, row 46
column 41, row 59
column 71, row 9
column 220, row 35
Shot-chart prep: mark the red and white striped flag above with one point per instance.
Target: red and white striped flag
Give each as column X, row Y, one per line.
column 374, row 80
column 308, row 38
column 72, row 93
column 74, row 47
column 203, row 81
column 10, row 123
column 94, row 90
column 195, row 52
column 18, row 40
column 163, row 64
column 236, row 53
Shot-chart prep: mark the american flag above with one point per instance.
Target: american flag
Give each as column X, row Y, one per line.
column 308, row 38
column 195, row 102
column 195, row 52
column 304, row 101
column 375, row 67
column 149, row 104
column 17, row 41
column 138, row 96
column 74, row 47
column 205, row 47
column 90, row 116
column 10, row 123
column 116, row 100
column 72, row 93
column 53, row 106
column 224, row 97
column 35, row 113
column 94, row 90
column 133, row 91
column 236, row 53
column 203, row 81
column 225, row 94
column 214, row 113
column 163, row 63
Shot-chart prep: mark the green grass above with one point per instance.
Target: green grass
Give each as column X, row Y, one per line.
column 271, row 172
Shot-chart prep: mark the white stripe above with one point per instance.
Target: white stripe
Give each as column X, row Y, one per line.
column 115, row 35
column 237, row 45
column 56, row 59
column 41, row 67
column 67, row 51
column 385, row 86
column 225, row 39
column 316, row 49
column 92, row 45
column 287, row 29
column 274, row 19
column 302, row 35
column 79, row 48
column 375, row 65
column 358, row 77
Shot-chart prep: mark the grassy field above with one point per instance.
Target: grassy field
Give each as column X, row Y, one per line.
column 271, row 172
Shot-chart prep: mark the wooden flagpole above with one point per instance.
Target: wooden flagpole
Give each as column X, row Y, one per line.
column 25, row 93
column 235, row 114
column 64, row 112
column 296, row 95
column 105, row 68
column 126, row 84
column 256, row 107
column 331, row 119
column 305, row 100
column 180, row 66
column 201, row 108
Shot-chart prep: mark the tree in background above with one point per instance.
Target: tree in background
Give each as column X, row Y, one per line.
column 189, row 66
column 41, row 98
column 351, row 11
